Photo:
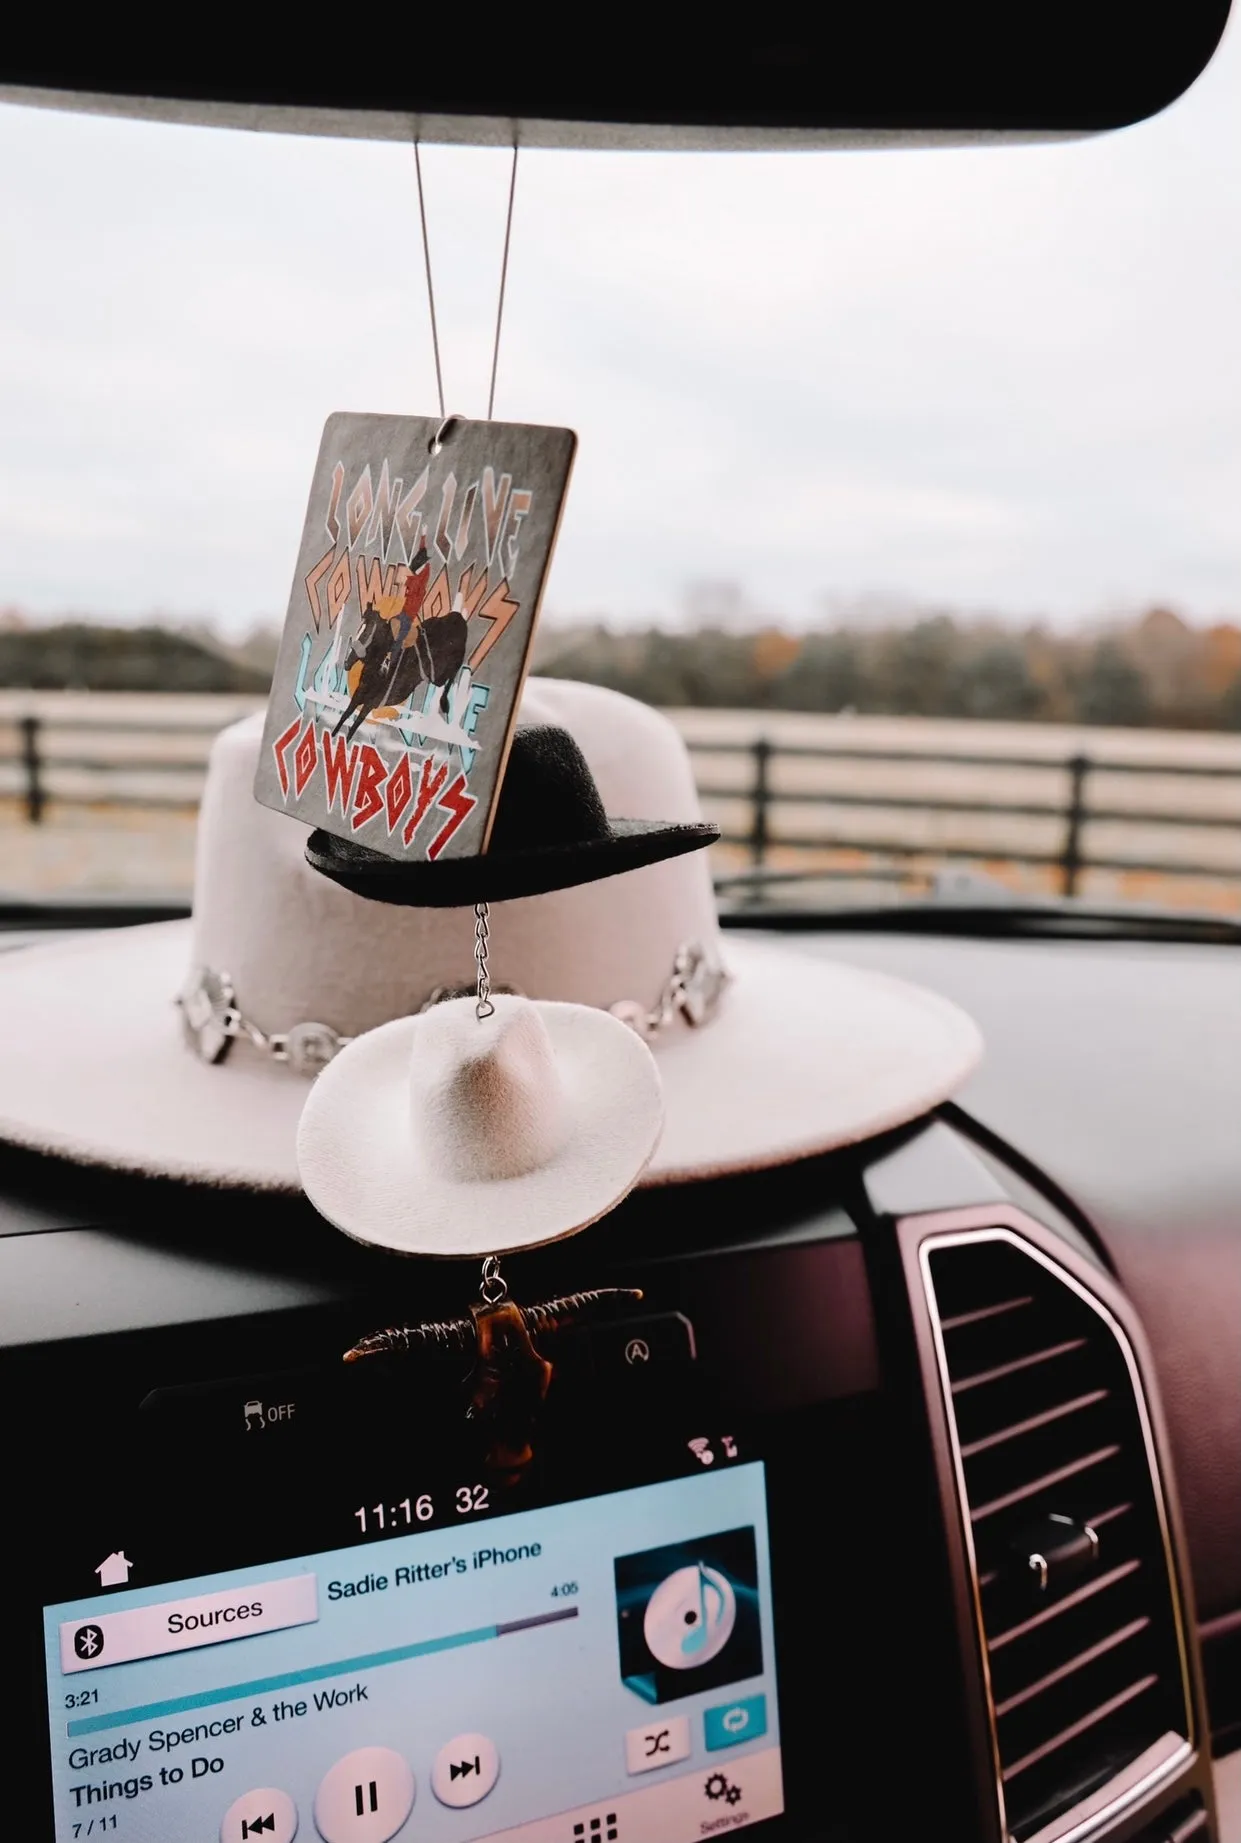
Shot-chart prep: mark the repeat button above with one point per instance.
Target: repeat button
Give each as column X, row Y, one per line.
column 734, row 1722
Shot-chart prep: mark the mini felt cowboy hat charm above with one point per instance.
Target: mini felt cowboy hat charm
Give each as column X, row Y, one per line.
column 460, row 1133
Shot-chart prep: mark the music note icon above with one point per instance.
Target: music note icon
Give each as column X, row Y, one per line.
column 690, row 1617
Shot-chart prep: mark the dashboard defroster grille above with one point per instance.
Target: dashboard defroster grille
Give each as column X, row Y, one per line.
column 1080, row 1624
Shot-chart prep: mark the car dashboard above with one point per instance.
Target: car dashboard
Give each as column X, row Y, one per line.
column 897, row 1496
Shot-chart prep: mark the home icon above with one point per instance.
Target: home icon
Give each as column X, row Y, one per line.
column 114, row 1572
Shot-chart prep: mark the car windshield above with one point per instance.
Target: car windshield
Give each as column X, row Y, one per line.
column 907, row 480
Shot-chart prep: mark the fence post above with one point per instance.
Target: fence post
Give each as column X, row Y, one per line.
column 33, row 765
column 761, row 796
column 1075, row 814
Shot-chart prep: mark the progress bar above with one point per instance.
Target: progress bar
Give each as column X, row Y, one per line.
column 261, row 1686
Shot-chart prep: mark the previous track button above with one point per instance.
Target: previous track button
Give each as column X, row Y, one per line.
column 95, row 1642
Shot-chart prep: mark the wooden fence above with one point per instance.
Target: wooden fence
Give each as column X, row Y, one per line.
column 779, row 826
column 763, row 839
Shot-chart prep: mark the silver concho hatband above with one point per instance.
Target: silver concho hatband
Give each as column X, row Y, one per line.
column 213, row 1021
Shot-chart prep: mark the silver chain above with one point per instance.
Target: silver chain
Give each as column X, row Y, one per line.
column 483, row 1006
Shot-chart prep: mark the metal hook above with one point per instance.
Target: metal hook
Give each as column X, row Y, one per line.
column 436, row 443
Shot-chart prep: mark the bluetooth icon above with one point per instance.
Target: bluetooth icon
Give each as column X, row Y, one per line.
column 88, row 1641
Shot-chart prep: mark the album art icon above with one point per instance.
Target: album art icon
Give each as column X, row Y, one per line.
column 687, row 1616
column 409, row 628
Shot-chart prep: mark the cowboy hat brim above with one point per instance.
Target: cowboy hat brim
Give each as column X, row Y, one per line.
column 501, row 876
column 362, row 1169
column 803, row 1055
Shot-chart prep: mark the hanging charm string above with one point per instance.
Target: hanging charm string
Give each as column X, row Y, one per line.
column 426, row 257
column 508, row 235
column 483, row 1007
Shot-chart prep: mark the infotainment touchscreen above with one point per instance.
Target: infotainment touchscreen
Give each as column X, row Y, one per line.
column 598, row 1668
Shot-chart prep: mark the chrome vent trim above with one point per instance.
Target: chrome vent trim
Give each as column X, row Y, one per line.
column 1143, row 1778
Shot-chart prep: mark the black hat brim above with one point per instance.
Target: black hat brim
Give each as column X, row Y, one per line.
column 501, row 876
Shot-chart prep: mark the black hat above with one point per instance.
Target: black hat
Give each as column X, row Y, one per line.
column 550, row 833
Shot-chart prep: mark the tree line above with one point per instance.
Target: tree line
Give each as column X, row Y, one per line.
column 1156, row 671
column 1152, row 671
column 87, row 656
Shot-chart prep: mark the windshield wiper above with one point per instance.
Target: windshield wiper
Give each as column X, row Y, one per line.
column 22, row 915
column 991, row 917
column 1070, row 919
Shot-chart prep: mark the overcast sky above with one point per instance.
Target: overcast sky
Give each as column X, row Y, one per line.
column 1003, row 379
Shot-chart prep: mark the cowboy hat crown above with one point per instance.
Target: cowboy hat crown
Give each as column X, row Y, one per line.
column 486, row 1099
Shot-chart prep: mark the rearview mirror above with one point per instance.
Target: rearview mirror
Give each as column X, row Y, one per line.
column 905, row 72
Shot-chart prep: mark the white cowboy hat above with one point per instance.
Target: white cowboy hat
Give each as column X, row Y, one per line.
column 447, row 1133
column 792, row 1055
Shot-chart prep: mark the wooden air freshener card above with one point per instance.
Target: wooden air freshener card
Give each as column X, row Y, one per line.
column 409, row 628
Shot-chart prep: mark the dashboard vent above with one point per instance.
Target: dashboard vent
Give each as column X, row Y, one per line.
column 1082, row 1639
column 1187, row 1824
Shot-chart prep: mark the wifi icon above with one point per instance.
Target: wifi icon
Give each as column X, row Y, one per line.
column 702, row 1452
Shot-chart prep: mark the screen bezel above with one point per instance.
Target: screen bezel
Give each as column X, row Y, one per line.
column 783, row 1343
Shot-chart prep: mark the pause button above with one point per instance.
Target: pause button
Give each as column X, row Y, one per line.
column 365, row 1798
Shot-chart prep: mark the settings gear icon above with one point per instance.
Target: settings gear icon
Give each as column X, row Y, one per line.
column 717, row 1786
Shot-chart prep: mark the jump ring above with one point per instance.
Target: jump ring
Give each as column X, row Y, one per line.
column 493, row 1286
